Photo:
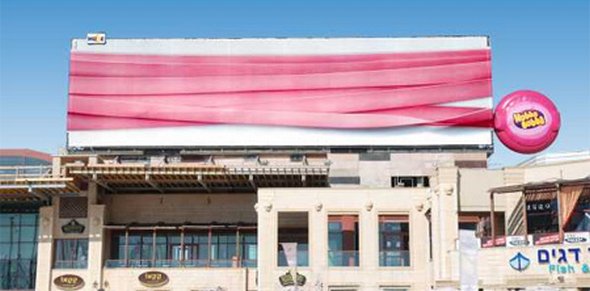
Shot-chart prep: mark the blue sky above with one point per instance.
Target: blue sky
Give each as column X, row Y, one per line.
column 540, row 45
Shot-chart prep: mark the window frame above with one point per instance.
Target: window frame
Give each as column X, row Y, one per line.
column 358, row 232
column 401, row 216
column 73, row 264
column 309, row 235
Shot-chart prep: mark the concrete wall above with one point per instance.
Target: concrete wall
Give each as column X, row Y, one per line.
column 375, row 169
column 474, row 185
column 569, row 171
column 184, row 279
column 181, row 208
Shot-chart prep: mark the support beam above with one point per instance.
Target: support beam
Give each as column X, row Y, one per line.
column 202, row 183
column 559, row 214
column 152, row 183
column 251, row 181
column 40, row 196
column 493, row 218
column 102, row 184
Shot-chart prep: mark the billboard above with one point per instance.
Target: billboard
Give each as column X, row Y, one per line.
column 348, row 92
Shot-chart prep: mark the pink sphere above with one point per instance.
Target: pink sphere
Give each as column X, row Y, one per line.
column 526, row 121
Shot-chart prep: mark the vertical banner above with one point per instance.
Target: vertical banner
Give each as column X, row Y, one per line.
column 290, row 250
column 468, row 245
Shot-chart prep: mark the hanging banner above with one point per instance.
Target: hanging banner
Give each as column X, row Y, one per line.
column 545, row 238
column 290, row 250
column 468, row 250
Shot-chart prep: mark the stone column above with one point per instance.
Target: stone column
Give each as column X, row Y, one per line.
column 369, row 241
column 96, row 217
column 95, row 243
column 44, row 248
column 318, row 244
column 267, row 239
column 445, row 222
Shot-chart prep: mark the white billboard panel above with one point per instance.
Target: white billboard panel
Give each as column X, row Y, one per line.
column 432, row 91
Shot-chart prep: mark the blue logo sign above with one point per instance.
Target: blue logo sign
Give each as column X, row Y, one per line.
column 519, row 262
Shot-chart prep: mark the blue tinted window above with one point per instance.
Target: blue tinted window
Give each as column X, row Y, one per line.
column 18, row 250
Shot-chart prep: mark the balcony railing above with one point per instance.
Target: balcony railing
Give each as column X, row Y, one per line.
column 302, row 258
column 60, row 264
column 180, row 264
column 394, row 258
column 343, row 258
column 24, row 172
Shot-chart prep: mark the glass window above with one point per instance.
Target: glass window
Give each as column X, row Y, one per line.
column 293, row 228
column 580, row 217
column 394, row 241
column 201, row 249
column 249, row 249
column 223, row 249
column 542, row 216
column 410, row 182
column 71, row 254
column 343, row 240
column 18, row 250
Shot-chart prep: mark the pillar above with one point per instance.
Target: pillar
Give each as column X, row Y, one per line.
column 44, row 248
column 96, row 217
column 267, row 240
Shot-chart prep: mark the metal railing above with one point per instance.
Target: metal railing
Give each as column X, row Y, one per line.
column 203, row 263
column 394, row 258
column 24, row 172
column 62, row 264
column 302, row 258
column 343, row 258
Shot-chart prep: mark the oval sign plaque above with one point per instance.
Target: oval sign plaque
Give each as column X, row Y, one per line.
column 153, row 279
column 69, row 282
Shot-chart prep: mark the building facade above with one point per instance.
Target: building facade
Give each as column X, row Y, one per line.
column 394, row 223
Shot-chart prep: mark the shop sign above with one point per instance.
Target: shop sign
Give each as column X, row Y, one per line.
column 542, row 206
column 526, row 121
column 559, row 260
column 153, row 279
column 519, row 241
column 287, row 279
column 545, row 238
column 73, row 227
column 576, row 237
column 487, row 242
column 69, row 282
column 519, row 262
